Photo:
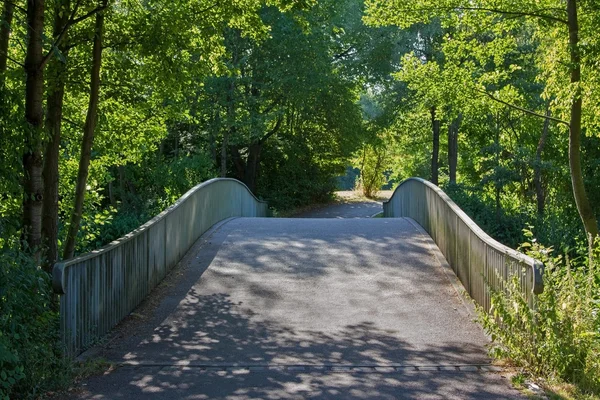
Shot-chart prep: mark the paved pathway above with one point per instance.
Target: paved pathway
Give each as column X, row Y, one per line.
column 305, row 308
column 348, row 206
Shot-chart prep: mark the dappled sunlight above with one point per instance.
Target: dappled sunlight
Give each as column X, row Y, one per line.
column 298, row 308
column 244, row 384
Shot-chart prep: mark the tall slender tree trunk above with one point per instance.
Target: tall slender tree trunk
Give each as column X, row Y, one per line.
column 57, row 73
column 88, row 135
column 230, row 126
column 252, row 165
column 497, row 185
column 214, row 123
column 453, row 130
column 581, row 198
column 539, row 188
column 435, row 124
column 122, row 186
column 237, row 163
column 7, row 17
column 33, row 184
column 224, row 146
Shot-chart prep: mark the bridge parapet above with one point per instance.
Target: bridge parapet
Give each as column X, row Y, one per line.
column 98, row 289
column 474, row 256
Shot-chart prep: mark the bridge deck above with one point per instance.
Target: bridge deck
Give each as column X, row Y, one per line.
column 307, row 308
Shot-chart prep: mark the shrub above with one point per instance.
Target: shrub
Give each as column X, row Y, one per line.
column 31, row 361
column 559, row 340
column 373, row 161
column 296, row 177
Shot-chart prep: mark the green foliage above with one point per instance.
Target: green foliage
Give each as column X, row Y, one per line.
column 558, row 227
column 504, row 226
column 158, row 184
column 185, row 86
column 294, row 176
column 560, row 338
column 31, row 360
column 284, row 95
column 372, row 161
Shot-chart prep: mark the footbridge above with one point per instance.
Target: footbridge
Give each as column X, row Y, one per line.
column 255, row 307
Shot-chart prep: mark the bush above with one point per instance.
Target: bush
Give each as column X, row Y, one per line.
column 558, row 227
column 296, row 177
column 31, row 361
column 372, row 162
column 560, row 339
column 158, row 182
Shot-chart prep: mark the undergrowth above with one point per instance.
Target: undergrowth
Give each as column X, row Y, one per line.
column 559, row 340
column 31, row 361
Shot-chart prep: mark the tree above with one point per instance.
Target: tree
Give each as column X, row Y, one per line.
column 7, row 17
column 57, row 76
column 279, row 86
column 88, row 134
column 551, row 20
column 34, row 115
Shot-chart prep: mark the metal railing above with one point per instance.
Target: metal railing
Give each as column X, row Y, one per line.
column 97, row 290
column 480, row 262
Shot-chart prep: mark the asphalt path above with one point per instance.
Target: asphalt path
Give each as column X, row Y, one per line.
column 347, row 206
column 304, row 308
column 351, row 209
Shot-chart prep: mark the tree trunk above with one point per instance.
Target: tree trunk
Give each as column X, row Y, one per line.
column 212, row 137
column 238, row 164
column 252, row 165
column 498, row 191
column 497, row 183
column 56, row 72
column 435, row 124
column 111, row 193
column 539, row 188
column 7, row 17
column 88, row 136
column 453, row 147
column 224, row 146
column 122, row 188
column 581, row 198
column 33, row 184
column 230, row 126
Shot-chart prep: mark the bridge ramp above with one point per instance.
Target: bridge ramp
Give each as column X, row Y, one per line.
column 307, row 308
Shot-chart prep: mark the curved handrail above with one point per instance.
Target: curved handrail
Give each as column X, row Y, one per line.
column 446, row 243
column 58, row 271
column 100, row 288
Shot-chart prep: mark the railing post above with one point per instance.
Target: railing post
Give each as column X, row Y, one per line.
column 470, row 269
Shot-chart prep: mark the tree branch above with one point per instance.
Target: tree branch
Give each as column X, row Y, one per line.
column 497, row 11
column 15, row 5
column 72, row 123
column 343, row 53
column 524, row 110
column 15, row 61
column 272, row 131
column 72, row 21
column 517, row 13
column 206, row 9
column 272, row 106
column 89, row 14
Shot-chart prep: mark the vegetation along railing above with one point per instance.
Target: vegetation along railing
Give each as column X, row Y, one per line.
column 474, row 256
column 97, row 290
